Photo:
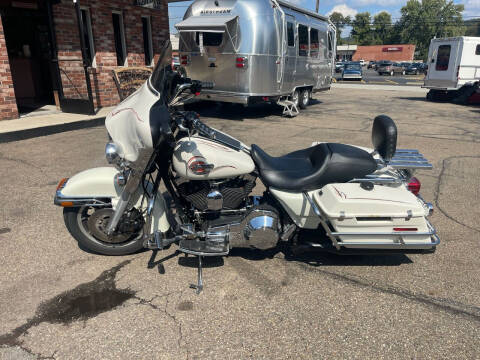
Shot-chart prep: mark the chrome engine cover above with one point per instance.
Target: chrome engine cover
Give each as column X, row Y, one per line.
column 258, row 230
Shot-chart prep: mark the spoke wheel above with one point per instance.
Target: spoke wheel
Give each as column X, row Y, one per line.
column 88, row 226
column 304, row 99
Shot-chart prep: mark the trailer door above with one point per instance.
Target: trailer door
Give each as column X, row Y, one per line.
column 290, row 56
column 442, row 69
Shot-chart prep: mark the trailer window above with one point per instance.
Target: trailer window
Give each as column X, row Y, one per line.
column 477, row 50
column 443, row 57
column 302, row 40
column 290, row 34
column 314, row 43
column 209, row 38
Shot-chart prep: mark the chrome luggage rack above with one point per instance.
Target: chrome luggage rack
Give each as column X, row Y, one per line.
column 409, row 159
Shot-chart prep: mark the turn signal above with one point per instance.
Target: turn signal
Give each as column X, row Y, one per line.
column 66, row 204
column 414, row 185
column 61, row 184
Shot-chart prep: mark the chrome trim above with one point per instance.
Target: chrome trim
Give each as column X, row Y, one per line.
column 378, row 180
column 214, row 200
column 400, row 234
column 80, row 201
column 322, row 220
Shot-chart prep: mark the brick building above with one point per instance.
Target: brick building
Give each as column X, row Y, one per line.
column 41, row 59
column 400, row 52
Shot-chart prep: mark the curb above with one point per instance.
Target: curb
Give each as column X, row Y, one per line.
column 50, row 130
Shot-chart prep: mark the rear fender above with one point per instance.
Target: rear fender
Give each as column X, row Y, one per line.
column 98, row 186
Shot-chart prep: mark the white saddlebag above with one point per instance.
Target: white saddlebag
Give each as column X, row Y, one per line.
column 385, row 217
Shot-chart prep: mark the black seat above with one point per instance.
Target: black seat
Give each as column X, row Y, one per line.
column 314, row 167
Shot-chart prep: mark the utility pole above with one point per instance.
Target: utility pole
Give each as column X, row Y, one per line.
column 316, row 8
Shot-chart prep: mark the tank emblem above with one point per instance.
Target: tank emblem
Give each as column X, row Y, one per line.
column 199, row 166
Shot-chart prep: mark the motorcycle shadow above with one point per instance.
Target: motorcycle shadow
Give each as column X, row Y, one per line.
column 323, row 258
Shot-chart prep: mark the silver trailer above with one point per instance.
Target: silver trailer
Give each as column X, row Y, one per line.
column 257, row 50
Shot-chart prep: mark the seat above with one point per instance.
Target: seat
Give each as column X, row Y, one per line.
column 314, row 167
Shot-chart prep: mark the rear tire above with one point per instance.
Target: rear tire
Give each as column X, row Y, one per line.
column 78, row 229
column 304, row 99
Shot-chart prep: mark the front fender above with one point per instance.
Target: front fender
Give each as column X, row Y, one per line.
column 98, row 185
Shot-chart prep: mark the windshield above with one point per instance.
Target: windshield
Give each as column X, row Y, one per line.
column 163, row 69
column 352, row 67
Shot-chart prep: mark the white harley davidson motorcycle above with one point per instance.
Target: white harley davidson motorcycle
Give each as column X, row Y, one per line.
column 336, row 197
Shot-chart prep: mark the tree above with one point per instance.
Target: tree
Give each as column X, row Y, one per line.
column 423, row 20
column 382, row 23
column 362, row 29
column 472, row 27
column 340, row 22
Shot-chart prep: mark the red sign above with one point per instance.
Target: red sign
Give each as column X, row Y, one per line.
column 393, row 48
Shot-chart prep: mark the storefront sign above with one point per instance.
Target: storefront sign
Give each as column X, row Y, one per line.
column 151, row 4
column 393, row 48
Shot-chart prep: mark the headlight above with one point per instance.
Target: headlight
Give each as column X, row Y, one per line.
column 112, row 153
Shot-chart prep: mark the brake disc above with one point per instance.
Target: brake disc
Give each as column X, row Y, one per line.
column 97, row 225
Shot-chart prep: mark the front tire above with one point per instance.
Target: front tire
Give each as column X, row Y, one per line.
column 296, row 98
column 304, row 99
column 76, row 221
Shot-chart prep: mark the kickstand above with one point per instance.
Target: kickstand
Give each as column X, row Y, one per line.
column 199, row 286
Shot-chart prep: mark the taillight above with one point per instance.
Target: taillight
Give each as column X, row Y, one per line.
column 185, row 60
column 241, row 62
column 414, row 185
column 405, row 229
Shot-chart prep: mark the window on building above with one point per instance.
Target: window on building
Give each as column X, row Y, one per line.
column 88, row 36
column 147, row 40
column 443, row 57
column 209, row 39
column 314, row 43
column 477, row 50
column 302, row 40
column 290, row 34
column 119, row 36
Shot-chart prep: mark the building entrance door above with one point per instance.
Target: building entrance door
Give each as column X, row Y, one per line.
column 29, row 53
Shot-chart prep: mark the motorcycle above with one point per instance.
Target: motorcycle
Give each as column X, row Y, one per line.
column 334, row 197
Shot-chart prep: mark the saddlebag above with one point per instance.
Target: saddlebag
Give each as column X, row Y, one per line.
column 375, row 217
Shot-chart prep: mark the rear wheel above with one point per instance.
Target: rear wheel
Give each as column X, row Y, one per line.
column 87, row 225
column 304, row 99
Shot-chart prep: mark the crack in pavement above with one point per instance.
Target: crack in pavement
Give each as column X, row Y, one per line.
column 453, row 307
column 440, row 183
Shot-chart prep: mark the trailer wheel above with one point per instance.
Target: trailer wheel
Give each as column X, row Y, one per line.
column 295, row 98
column 304, row 99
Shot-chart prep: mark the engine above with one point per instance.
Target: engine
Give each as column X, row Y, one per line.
column 229, row 194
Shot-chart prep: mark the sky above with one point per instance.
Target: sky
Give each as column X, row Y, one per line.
column 346, row 7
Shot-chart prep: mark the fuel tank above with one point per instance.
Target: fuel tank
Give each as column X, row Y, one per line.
column 198, row 158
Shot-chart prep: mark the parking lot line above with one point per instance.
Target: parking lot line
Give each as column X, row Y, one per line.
column 391, row 81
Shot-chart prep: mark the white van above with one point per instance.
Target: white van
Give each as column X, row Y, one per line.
column 453, row 68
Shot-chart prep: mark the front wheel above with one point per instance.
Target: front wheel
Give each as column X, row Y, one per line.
column 296, row 98
column 87, row 225
column 304, row 99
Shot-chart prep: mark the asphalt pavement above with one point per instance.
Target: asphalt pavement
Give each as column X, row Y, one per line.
column 57, row 301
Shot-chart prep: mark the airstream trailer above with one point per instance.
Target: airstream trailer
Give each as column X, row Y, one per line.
column 257, row 50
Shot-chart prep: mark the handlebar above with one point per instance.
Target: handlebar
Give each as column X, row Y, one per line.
column 190, row 121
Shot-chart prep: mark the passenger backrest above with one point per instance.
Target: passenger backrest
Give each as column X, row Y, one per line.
column 384, row 137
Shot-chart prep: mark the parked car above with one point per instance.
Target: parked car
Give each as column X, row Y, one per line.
column 371, row 65
column 362, row 62
column 352, row 70
column 339, row 67
column 385, row 67
column 398, row 68
column 414, row 69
